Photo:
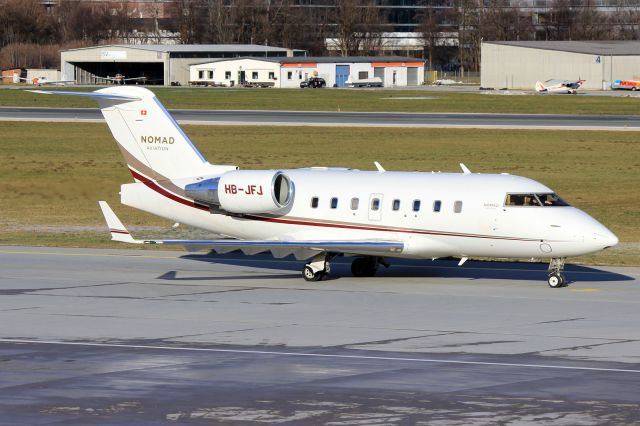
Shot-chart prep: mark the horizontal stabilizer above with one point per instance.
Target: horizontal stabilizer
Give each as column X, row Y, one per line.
column 94, row 95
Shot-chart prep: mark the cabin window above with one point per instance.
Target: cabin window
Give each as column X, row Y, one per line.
column 227, row 75
column 210, row 75
column 314, row 203
column 437, row 205
column 416, row 205
column 396, row 205
column 289, row 75
column 254, row 75
column 272, row 75
column 535, row 200
column 355, row 202
column 375, row 204
column 363, row 75
column 200, row 75
column 334, row 203
column 457, row 207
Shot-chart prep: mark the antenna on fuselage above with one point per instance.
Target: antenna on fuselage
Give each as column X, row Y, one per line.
column 379, row 167
column 465, row 169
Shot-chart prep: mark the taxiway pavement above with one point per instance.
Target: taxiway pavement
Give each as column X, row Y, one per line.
column 146, row 337
column 380, row 119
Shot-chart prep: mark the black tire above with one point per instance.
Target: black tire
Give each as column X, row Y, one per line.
column 555, row 280
column 633, row 89
column 364, row 267
column 309, row 275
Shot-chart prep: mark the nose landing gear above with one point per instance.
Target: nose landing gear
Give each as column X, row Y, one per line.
column 556, row 278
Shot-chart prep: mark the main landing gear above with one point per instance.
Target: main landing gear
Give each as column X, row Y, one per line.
column 556, row 278
column 367, row 266
column 317, row 268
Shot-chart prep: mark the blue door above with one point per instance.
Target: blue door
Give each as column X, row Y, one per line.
column 342, row 74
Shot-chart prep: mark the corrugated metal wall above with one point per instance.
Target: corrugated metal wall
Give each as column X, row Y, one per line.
column 515, row 67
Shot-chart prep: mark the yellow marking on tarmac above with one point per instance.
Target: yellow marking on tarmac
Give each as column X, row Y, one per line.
column 46, row 253
column 584, row 290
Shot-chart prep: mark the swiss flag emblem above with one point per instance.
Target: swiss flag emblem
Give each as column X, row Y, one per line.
column 143, row 112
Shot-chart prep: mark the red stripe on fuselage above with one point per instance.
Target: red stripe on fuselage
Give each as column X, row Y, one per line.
column 160, row 190
column 154, row 186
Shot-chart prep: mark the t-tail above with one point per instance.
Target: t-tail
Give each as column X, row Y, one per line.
column 152, row 143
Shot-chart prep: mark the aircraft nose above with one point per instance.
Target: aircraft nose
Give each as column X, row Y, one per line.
column 604, row 238
column 608, row 239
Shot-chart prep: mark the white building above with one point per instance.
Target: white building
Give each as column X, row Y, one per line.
column 289, row 72
column 159, row 64
column 519, row 64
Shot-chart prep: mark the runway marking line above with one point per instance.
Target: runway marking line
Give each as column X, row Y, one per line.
column 318, row 355
column 46, row 253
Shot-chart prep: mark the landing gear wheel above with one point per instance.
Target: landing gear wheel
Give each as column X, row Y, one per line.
column 556, row 280
column 364, row 266
column 310, row 275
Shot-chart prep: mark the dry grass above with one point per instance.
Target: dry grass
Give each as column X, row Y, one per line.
column 350, row 100
column 55, row 173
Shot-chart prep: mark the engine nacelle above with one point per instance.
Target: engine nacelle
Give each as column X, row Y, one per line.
column 245, row 191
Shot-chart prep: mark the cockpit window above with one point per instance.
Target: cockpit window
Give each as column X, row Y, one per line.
column 534, row 200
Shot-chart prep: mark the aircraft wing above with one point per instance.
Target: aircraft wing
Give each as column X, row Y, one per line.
column 301, row 249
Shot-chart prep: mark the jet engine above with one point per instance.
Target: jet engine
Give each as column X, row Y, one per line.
column 245, row 191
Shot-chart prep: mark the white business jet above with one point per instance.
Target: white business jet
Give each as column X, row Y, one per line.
column 318, row 213
column 559, row 86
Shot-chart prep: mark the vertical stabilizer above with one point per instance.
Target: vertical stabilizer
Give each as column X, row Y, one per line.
column 151, row 141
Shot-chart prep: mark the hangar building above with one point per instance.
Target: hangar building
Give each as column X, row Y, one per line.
column 160, row 64
column 289, row 72
column 519, row 64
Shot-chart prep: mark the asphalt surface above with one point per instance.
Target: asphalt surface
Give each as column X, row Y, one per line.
column 149, row 337
column 212, row 117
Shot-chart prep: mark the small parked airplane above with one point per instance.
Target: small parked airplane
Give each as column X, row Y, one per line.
column 121, row 79
column 559, row 86
column 318, row 213
column 41, row 81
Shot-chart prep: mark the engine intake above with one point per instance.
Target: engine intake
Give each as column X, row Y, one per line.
column 245, row 191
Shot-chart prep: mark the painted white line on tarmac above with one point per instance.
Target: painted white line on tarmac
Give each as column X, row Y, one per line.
column 318, row 355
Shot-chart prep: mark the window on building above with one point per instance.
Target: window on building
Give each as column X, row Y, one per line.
column 416, row 205
column 227, row 75
column 355, row 202
column 437, row 205
column 272, row 75
column 375, row 204
column 396, row 205
column 254, row 75
column 363, row 75
column 314, row 203
column 210, row 75
column 299, row 75
column 457, row 207
column 289, row 75
column 200, row 75
column 334, row 203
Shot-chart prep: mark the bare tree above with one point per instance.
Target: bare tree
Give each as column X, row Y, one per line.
column 359, row 27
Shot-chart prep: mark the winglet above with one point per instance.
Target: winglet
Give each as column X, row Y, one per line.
column 379, row 167
column 117, row 229
column 465, row 169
